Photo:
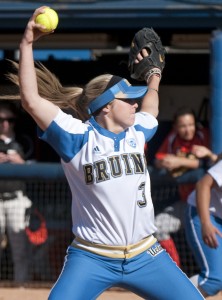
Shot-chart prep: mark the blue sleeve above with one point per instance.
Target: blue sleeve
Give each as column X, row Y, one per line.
column 147, row 124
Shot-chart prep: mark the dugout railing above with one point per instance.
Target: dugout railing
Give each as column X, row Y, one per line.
column 48, row 190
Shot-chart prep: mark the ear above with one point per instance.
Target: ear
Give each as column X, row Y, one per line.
column 107, row 108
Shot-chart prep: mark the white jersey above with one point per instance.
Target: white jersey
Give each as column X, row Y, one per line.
column 108, row 177
column 216, row 192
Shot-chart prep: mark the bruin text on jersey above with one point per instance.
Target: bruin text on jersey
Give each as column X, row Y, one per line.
column 114, row 166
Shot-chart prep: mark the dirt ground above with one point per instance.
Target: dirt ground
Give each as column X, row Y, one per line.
column 42, row 294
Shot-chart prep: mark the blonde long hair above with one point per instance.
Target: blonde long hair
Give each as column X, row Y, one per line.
column 75, row 98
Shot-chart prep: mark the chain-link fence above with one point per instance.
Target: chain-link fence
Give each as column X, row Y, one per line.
column 47, row 226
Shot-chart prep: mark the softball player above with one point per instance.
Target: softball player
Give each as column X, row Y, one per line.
column 204, row 230
column 103, row 159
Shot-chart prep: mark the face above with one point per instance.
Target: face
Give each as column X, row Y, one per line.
column 123, row 112
column 7, row 120
column 185, row 127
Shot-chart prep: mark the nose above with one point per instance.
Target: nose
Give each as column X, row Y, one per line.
column 4, row 122
column 135, row 104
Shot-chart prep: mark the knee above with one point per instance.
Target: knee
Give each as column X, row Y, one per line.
column 212, row 286
column 217, row 285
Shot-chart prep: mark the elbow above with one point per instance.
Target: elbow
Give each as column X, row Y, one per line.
column 153, row 111
column 24, row 101
column 24, row 104
column 157, row 112
column 28, row 104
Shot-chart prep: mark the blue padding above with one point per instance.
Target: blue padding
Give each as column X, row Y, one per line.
column 32, row 171
column 216, row 92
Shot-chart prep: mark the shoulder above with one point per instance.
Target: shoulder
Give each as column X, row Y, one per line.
column 69, row 123
column 146, row 120
column 216, row 172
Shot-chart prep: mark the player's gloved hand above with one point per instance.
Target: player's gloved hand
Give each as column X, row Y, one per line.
column 152, row 64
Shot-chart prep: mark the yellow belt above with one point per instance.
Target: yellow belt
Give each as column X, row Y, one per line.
column 115, row 251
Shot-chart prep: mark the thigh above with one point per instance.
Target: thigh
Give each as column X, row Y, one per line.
column 85, row 276
column 154, row 275
column 211, row 280
column 209, row 259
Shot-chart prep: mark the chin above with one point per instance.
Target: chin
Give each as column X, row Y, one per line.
column 131, row 123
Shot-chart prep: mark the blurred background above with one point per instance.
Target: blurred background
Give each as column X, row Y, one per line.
column 93, row 37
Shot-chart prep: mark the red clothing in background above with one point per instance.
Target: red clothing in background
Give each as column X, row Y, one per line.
column 173, row 144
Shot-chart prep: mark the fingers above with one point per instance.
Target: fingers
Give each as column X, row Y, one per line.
column 219, row 233
column 200, row 151
column 143, row 53
column 35, row 31
column 210, row 238
column 38, row 11
column 211, row 241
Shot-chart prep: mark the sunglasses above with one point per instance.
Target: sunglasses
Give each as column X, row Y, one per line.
column 9, row 120
column 130, row 101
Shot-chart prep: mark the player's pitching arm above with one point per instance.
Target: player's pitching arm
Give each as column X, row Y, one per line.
column 42, row 111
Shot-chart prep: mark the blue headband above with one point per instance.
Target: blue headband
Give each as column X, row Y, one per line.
column 121, row 90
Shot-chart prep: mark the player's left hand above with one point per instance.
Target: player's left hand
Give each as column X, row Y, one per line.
column 209, row 235
column 146, row 39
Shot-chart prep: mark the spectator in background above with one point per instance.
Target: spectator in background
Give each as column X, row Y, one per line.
column 13, row 201
column 204, row 228
column 176, row 158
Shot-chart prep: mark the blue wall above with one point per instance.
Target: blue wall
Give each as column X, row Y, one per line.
column 216, row 91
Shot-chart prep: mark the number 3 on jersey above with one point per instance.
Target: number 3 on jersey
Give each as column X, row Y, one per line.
column 143, row 202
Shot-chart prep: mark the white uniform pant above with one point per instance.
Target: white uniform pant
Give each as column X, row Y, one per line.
column 13, row 220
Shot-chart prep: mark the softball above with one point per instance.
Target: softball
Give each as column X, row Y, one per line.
column 49, row 19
